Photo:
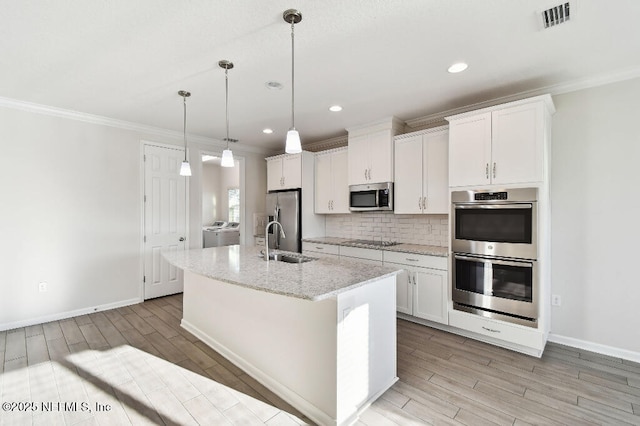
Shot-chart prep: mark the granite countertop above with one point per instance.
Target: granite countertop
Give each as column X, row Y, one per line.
column 402, row 248
column 315, row 280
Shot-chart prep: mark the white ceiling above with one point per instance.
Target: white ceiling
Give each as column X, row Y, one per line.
column 127, row 59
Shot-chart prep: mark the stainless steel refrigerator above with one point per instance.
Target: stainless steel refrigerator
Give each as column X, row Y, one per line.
column 284, row 206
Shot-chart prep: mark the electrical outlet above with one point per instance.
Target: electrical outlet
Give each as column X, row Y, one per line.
column 42, row 287
column 556, row 300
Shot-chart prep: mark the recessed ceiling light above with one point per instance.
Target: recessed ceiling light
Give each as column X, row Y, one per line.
column 273, row 85
column 457, row 67
column 267, row 131
column 335, row 108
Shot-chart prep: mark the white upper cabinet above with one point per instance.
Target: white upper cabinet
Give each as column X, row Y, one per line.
column 332, row 188
column 284, row 172
column 371, row 152
column 500, row 145
column 421, row 172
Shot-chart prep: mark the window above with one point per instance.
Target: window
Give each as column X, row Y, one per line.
column 234, row 204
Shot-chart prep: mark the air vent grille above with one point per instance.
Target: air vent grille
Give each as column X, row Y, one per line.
column 556, row 15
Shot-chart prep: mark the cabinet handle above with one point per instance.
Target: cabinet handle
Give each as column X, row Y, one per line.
column 331, row 204
column 365, row 174
column 424, row 203
column 419, row 203
column 494, row 169
column 491, row 329
column 369, row 174
column 412, row 260
column 319, row 248
column 486, row 170
column 328, row 205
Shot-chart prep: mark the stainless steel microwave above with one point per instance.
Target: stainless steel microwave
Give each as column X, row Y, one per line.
column 371, row 196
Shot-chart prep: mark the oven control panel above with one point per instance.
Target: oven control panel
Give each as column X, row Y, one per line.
column 487, row 196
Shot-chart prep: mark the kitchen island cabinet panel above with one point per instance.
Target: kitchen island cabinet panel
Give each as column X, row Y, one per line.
column 326, row 358
column 321, row 334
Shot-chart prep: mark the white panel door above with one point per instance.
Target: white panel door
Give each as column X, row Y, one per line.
column 339, row 171
column 435, row 172
column 359, row 160
column 381, row 153
column 430, row 296
column 470, row 150
column 324, row 187
column 164, row 219
column 518, row 144
column 274, row 174
column 292, row 171
column 408, row 176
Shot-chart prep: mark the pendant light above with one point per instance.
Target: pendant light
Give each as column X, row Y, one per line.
column 185, row 169
column 292, row 146
column 227, row 155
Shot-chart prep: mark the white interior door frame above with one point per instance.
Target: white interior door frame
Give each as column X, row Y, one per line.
column 243, row 203
column 143, row 143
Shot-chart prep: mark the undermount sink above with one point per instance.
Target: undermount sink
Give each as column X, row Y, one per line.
column 289, row 258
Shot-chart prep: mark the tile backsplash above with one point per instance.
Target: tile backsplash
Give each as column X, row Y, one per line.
column 409, row 229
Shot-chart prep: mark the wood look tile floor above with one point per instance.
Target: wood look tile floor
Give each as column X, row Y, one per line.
column 136, row 365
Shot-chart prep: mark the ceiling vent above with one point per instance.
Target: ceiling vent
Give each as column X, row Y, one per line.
column 556, row 15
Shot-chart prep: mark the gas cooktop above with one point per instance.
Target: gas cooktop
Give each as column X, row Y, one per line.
column 377, row 243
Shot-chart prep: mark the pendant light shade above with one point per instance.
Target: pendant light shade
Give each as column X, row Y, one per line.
column 227, row 158
column 185, row 168
column 292, row 145
column 227, row 155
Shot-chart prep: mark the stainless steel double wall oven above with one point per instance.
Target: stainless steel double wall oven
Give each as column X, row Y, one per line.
column 494, row 241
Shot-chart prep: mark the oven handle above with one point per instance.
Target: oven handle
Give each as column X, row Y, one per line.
column 494, row 206
column 520, row 264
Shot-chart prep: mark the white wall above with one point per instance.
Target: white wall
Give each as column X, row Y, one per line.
column 595, row 199
column 211, row 208
column 216, row 181
column 71, row 213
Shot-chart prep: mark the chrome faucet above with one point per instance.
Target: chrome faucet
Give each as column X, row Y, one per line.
column 266, row 237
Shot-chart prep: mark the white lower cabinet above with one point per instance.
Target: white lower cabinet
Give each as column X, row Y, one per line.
column 523, row 339
column 320, row 250
column 421, row 289
column 362, row 254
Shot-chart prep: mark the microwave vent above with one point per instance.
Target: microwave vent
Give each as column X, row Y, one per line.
column 556, row 15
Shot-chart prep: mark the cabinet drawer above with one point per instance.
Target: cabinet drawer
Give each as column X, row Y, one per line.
column 361, row 253
column 421, row 260
column 321, row 248
column 531, row 338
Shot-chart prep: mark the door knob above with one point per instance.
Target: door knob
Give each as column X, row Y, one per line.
column 181, row 238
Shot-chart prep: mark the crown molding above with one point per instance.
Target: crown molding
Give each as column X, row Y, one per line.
column 323, row 145
column 554, row 90
column 121, row 124
column 421, row 132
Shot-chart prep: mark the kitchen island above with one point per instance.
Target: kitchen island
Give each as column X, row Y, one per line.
column 320, row 334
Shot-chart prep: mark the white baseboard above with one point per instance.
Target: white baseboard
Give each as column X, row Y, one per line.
column 304, row 406
column 69, row 314
column 555, row 338
column 595, row 347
